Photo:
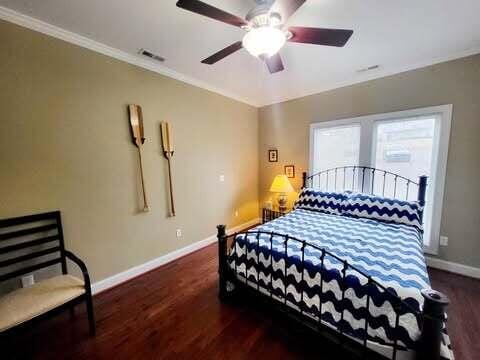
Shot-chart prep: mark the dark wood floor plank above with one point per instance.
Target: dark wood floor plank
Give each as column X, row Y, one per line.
column 173, row 313
column 463, row 312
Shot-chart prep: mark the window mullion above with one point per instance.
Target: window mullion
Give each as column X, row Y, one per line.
column 366, row 143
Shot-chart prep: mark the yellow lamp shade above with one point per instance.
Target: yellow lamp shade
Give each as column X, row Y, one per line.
column 281, row 184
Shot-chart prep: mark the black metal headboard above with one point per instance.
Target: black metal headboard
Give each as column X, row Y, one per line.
column 367, row 180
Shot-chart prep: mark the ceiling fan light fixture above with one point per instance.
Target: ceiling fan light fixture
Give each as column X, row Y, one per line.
column 266, row 33
column 264, row 41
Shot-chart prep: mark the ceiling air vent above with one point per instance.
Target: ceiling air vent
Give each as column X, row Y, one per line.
column 369, row 68
column 151, row 55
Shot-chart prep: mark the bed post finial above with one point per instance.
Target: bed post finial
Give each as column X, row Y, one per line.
column 304, row 178
column 422, row 188
column 433, row 318
column 222, row 260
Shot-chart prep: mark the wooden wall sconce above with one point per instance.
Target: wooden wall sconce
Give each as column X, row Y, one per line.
column 136, row 124
column 167, row 142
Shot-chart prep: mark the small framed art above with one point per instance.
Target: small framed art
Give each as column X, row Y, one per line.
column 273, row 155
column 290, row 171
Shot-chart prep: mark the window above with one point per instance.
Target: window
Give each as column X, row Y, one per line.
column 336, row 146
column 409, row 143
column 405, row 147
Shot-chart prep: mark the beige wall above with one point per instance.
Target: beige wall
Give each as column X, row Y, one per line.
column 65, row 144
column 285, row 126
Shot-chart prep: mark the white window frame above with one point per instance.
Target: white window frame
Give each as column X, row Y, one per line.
column 439, row 161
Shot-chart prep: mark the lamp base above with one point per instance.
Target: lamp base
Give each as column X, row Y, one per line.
column 282, row 202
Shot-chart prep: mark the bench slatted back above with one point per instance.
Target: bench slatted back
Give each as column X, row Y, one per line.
column 21, row 234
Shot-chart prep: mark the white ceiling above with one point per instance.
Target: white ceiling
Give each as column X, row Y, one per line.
column 397, row 34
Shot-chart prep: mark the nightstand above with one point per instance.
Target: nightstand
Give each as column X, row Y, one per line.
column 270, row 214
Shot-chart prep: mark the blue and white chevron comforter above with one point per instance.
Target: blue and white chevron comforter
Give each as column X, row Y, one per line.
column 391, row 254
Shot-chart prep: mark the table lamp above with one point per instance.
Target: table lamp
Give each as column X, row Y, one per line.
column 282, row 186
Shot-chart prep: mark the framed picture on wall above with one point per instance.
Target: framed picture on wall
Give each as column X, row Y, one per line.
column 290, row 171
column 273, row 155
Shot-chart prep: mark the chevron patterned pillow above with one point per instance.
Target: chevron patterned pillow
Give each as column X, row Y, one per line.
column 385, row 209
column 327, row 202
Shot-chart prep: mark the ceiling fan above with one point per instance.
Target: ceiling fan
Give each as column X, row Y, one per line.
column 266, row 31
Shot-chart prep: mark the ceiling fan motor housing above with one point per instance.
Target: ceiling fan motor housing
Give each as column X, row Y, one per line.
column 265, row 2
column 262, row 16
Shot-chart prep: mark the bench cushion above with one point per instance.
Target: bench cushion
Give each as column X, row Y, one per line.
column 26, row 303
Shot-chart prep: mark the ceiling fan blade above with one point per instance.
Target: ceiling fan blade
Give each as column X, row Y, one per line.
column 318, row 36
column 274, row 63
column 212, row 12
column 286, row 8
column 223, row 53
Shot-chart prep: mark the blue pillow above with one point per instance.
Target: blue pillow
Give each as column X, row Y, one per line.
column 327, row 202
column 385, row 209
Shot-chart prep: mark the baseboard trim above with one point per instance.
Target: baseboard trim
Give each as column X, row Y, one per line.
column 453, row 267
column 126, row 275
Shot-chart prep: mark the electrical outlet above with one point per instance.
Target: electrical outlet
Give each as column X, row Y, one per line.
column 179, row 233
column 221, row 178
column 444, row 240
column 28, row 280
column 236, row 213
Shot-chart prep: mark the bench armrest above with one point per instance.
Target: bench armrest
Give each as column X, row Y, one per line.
column 86, row 278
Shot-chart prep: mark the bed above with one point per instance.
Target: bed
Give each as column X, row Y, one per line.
column 362, row 279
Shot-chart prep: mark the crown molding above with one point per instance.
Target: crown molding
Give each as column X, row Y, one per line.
column 388, row 71
column 76, row 39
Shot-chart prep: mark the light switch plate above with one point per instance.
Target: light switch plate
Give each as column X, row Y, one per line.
column 221, row 178
column 444, row 240
column 28, row 280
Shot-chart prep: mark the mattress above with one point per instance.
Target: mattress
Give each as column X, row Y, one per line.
column 391, row 254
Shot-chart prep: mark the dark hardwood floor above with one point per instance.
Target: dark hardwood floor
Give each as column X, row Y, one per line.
column 463, row 312
column 173, row 313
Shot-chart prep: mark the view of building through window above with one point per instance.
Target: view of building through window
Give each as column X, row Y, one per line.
column 404, row 147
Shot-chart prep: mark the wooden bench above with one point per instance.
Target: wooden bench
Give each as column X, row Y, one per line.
column 28, row 244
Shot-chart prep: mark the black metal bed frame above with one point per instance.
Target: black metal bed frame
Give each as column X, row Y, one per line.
column 431, row 318
column 364, row 178
column 40, row 225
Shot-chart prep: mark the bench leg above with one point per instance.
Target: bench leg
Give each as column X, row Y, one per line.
column 91, row 318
